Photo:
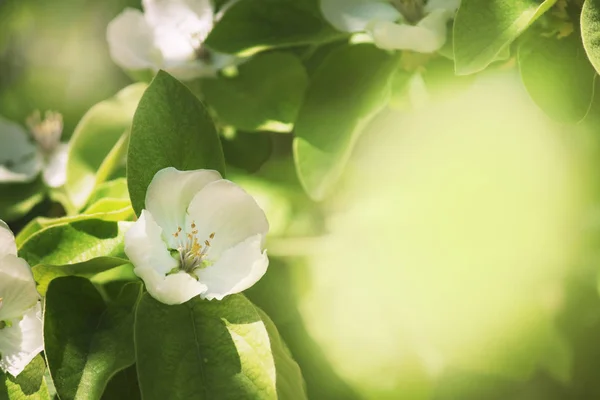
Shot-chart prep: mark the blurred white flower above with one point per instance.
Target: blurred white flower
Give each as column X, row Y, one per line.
column 168, row 35
column 417, row 25
column 21, row 332
column 21, row 159
column 199, row 235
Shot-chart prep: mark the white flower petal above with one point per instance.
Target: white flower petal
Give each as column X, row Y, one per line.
column 180, row 26
column 448, row 5
column 227, row 210
column 55, row 171
column 175, row 46
column 22, row 341
column 189, row 16
column 7, row 240
column 428, row 36
column 131, row 42
column 237, row 269
column 19, row 158
column 170, row 193
column 145, row 247
column 17, row 287
column 172, row 289
column 355, row 15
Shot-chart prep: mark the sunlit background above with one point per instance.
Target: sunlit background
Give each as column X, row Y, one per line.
column 455, row 260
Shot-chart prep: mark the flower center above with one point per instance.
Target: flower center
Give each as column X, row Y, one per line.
column 412, row 10
column 47, row 131
column 201, row 51
column 192, row 253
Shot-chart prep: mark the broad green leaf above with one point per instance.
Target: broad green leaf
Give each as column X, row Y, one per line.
column 98, row 132
column 484, row 28
column 171, row 128
column 87, row 341
column 114, row 189
column 100, row 210
column 18, row 199
column 248, row 151
column 250, row 26
column 349, row 88
column 265, row 94
column 115, row 277
column 558, row 76
column 115, row 209
column 114, row 160
column 44, row 274
column 203, row 350
column 290, row 384
column 590, row 30
column 29, row 385
column 75, row 242
column 123, row 386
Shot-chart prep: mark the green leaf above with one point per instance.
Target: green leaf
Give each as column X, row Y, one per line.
column 114, row 160
column 18, row 199
column 75, row 242
column 267, row 93
column 29, row 385
column 349, row 88
column 105, row 210
column 44, row 274
column 86, row 341
column 250, row 26
column 98, row 132
column 248, row 151
column 171, row 128
column 484, row 28
column 110, row 209
column 590, row 30
column 558, row 76
column 290, row 384
column 123, row 386
column 203, row 349
column 114, row 189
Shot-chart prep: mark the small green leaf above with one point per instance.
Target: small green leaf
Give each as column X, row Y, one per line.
column 98, row 132
column 86, row 341
column 248, row 151
column 558, row 76
column 114, row 160
column 590, row 30
column 250, row 26
column 75, row 242
column 17, row 199
column 265, row 95
column 114, row 189
column 203, row 349
column 44, row 274
column 346, row 92
column 106, row 210
column 171, row 128
column 29, row 385
column 290, row 384
column 110, row 209
column 484, row 28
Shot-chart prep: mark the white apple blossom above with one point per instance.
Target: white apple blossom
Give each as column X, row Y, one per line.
column 21, row 333
column 22, row 159
column 199, row 235
column 417, row 25
column 168, row 35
